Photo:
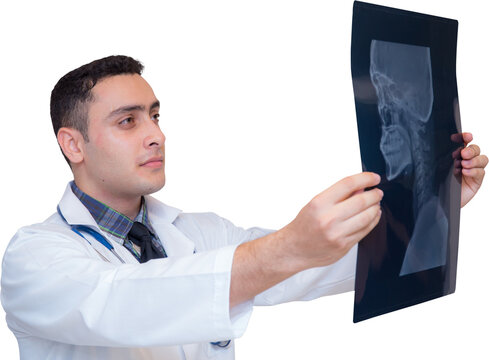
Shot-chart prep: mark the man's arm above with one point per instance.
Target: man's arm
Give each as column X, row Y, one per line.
column 327, row 228
column 322, row 233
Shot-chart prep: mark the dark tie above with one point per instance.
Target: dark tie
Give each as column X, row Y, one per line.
column 141, row 237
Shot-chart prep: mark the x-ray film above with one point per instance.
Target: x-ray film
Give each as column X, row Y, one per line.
column 404, row 80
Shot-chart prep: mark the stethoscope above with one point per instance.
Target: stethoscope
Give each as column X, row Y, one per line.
column 78, row 229
column 97, row 236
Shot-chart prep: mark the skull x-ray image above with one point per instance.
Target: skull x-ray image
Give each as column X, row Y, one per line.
column 403, row 71
column 401, row 75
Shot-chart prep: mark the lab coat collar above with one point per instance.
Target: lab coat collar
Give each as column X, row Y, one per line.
column 160, row 215
column 160, row 212
column 73, row 211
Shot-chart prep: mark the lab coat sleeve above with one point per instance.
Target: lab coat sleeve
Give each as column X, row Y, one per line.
column 53, row 287
column 313, row 283
column 306, row 285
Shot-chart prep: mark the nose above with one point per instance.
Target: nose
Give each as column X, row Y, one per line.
column 154, row 137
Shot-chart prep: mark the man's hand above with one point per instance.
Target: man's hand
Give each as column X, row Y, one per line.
column 334, row 221
column 473, row 164
column 321, row 234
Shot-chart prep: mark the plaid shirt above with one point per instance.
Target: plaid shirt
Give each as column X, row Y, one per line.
column 114, row 224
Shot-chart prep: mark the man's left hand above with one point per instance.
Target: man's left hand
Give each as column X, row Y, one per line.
column 473, row 164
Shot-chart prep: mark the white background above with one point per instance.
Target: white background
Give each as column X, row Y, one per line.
column 258, row 110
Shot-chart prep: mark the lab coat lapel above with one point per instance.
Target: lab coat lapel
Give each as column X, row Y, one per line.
column 75, row 213
column 162, row 217
column 174, row 242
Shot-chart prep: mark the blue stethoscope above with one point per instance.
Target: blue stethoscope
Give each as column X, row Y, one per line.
column 78, row 229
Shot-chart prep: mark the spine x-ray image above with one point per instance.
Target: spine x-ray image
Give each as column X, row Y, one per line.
column 403, row 71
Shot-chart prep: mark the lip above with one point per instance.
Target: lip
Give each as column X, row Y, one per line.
column 154, row 162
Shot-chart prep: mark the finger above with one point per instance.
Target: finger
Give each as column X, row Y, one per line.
column 458, row 138
column 359, row 221
column 346, row 187
column 467, row 137
column 476, row 174
column 470, row 151
column 477, row 162
column 456, row 154
column 357, row 204
column 354, row 238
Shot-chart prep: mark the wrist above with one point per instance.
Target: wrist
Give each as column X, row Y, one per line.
column 262, row 263
column 286, row 254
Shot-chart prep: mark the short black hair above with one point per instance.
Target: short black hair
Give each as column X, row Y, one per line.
column 74, row 90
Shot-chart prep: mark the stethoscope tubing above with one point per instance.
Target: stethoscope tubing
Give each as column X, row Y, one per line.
column 78, row 229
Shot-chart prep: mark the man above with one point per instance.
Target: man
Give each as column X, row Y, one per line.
column 115, row 273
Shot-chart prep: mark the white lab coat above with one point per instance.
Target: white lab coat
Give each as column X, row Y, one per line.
column 67, row 299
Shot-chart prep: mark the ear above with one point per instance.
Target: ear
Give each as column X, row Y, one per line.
column 71, row 142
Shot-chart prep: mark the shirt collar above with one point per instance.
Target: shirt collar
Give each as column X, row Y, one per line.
column 108, row 219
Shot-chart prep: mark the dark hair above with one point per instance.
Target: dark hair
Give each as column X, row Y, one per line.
column 73, row 91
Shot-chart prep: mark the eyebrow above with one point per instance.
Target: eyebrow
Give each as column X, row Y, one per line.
column 129, row 108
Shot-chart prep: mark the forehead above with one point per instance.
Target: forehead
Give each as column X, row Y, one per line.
column 121, row 90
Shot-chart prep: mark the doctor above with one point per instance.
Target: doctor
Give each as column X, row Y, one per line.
column 116, row 274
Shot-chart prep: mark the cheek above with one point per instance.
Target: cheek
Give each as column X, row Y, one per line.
column 101, row 147
column 106, row 152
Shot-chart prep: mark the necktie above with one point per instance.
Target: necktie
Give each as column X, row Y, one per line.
column 141, row 237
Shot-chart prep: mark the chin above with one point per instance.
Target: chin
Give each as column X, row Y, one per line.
column 152, row 187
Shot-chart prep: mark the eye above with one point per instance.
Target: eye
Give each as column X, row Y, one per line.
column 156, row 118
column 127, row 122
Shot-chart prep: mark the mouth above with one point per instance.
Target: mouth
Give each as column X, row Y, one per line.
column 154, row 162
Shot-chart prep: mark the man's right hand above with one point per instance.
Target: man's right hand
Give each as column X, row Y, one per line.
column 334, row 221
column 321, row 234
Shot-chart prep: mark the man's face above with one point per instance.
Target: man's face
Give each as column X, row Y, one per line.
column 125, row 153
